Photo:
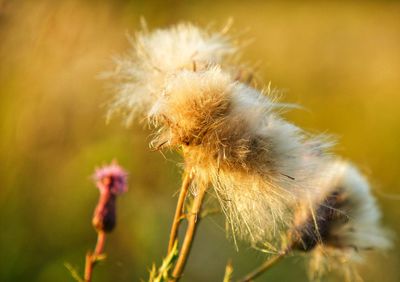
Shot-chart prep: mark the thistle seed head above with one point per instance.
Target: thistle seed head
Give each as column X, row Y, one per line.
column 339, row 223
column 142, row 75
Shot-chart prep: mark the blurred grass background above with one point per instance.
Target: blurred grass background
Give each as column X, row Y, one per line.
column 339, row 59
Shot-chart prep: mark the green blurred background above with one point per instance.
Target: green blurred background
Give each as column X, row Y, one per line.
column 340, row 60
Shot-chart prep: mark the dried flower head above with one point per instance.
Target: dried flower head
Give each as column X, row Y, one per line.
column 340, row 223
column 231, row 134
column 143, row 73
column 111, row 180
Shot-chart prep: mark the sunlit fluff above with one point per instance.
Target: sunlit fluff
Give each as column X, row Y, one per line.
column 231, row 134
column 142, row 74
column 339, row 225
column 232, row 137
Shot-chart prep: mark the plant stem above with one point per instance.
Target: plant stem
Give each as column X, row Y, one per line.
column 92, row 258
column 101, row 239
column 179, row 209
column 264, row 266
column 193, row 220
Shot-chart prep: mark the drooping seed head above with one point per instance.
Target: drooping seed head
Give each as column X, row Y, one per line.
column 340, row 223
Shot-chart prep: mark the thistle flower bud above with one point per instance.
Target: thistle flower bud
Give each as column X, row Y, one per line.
column 111, row 181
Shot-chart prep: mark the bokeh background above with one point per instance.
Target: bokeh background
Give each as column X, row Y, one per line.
column 340, row 60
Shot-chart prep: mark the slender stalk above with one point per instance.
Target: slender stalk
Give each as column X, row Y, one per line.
column 179, row 209
column 101, row 239
column 264, row 266
column 193, row 220
column 92, row 258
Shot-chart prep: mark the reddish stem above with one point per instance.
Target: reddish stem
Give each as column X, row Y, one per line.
column 92, row 258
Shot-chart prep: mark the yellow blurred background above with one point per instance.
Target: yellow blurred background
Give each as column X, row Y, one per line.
column 340, row 60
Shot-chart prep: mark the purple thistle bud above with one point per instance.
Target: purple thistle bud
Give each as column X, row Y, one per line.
column 111, row 180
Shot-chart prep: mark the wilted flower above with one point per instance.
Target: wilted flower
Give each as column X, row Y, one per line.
column 340, row 223
column 111, row 180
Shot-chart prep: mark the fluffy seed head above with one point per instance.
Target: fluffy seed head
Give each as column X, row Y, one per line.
column 231, row 135
column 341, row 223
column 143, row 73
